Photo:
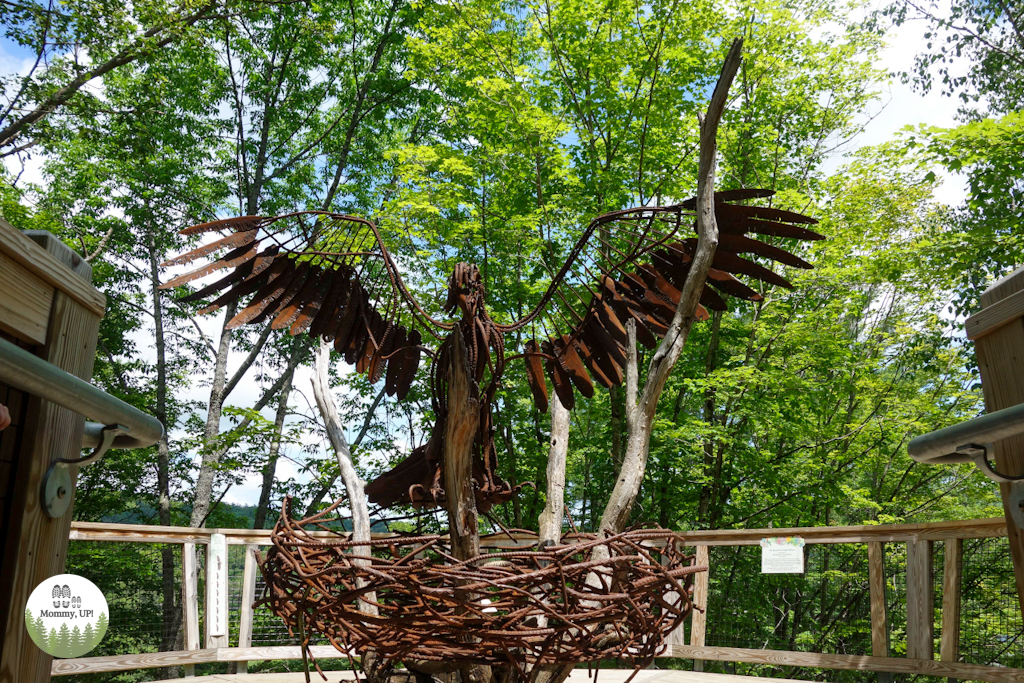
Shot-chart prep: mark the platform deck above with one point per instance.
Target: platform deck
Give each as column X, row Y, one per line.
column 578, row 676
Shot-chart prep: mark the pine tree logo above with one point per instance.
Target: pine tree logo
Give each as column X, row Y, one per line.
column 66, row 616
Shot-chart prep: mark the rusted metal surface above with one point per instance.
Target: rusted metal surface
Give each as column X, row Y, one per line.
column 332, row 276
column 523, row 607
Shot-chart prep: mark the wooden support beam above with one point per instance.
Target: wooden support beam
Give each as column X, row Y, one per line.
column 248, row 597
column 153, row 660
column 36, row 544
column 998, row 333
column 994, row 527
column 190, row 600
column 876, row 584
column 55, row 264
column 699, row 618
column 920, row 601
column 949, row 649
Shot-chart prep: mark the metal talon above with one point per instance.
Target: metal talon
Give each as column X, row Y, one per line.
column 56, row 487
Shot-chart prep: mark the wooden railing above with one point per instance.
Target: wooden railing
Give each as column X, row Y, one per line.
column 920, row 540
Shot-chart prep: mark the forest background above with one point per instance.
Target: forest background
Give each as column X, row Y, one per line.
column 492, row 132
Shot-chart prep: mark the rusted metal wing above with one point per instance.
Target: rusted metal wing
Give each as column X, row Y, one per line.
column 638, row 260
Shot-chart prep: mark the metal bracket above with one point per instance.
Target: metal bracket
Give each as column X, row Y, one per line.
column 56, row 489
column 979, row 455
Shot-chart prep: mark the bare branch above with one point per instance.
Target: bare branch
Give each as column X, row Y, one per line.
column 640, row 413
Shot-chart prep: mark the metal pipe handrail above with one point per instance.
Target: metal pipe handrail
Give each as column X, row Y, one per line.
column 958, row 443
column 26, row 372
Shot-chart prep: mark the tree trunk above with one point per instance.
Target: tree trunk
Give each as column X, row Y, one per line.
column 325, row 486
column 270, row 469
column 171, row 612
column 710, row 484
column 353, row 483
column 640, row 413
column 215, row 406
column 550, row 521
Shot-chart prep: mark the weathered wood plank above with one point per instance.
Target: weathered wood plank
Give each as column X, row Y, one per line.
column 699, row 618
column 937, row 531
column 993, row 317
column 251, row 654
column 994, row 674
column 876, row 586
column 50, row 269
column 139, row 533
column 153, row 660
column 920, row 601
column 190, row 600
column 145, row 660
column 248, row 597
column 949, row 647
column 52, row 245
column 25, row 315
column 1001, row 363
column 53, row 432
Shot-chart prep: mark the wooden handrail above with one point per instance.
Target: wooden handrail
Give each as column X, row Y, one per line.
column 929, row 531
column 919, row 538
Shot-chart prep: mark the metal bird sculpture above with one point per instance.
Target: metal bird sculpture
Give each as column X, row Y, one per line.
column 331, row 276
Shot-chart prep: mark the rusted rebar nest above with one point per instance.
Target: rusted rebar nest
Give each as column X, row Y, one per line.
column 591, row 598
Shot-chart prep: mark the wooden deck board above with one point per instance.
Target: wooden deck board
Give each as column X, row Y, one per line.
column 578, row 676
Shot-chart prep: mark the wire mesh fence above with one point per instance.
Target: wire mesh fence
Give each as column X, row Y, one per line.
column 267, row 629
column 826, row 609
column 142, row 585
column 991, row 628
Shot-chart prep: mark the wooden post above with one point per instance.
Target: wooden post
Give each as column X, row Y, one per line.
column 998, row 334
column 50, row 308
column 216, row 614
column 699, row 618
column 879, row 625
column 920, row 601
column 876, row 584
column 949, row 649
column 190, row 600
column 248, row 597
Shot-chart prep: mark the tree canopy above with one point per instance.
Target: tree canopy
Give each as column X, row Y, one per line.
column 492, row 132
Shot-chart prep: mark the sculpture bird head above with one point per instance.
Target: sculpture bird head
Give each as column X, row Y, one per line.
column 465, row 290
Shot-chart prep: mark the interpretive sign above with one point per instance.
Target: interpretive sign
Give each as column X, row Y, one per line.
column 217, row 585
column 782, row 555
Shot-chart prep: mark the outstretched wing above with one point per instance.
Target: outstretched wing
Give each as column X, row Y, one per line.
column 631, row 265
column 328, row 275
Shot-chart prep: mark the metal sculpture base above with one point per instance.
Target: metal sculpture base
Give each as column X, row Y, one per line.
column 512, row 606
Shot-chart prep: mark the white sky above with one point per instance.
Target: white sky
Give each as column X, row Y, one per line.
column 899, row 106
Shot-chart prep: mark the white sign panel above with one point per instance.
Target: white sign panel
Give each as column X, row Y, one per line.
column 217, row 585
column 782, row 555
